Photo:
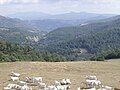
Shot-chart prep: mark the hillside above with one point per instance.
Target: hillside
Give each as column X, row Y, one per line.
column 18, row 31
column 96, row 38
column 11, row 52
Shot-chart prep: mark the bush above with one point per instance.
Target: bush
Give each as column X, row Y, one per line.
column 97, row 59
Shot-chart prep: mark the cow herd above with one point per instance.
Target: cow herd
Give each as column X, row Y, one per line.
column 91, row 83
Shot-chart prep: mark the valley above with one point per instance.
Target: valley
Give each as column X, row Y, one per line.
column 98, row 38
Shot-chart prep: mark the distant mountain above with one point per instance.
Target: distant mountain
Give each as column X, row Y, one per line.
column 51, row 24
column 67, row 19
column 30, row 15
column 85, row 40
column 64, row 16
column 80, row 16
column 19, row 31
column 48, row 22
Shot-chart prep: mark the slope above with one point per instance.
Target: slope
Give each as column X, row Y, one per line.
column 19, row 31
column 96, row 38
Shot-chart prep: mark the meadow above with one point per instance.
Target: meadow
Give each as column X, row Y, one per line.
column 106, row 71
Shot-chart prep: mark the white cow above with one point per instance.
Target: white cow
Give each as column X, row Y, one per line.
column 63, row 82
column 91, row 77
column 63, row 87
column 25, row 87
column 14, row 78
column 60, row 87
column 78, row 88
column 12, row 86
column 106, row 88
column 22, row 83
column 7, row 88
column 42, row 85
column 93, row 83
column 33, row 79
column 68, row 81
column 57, row 83
column 52, row 87
column 15, row 74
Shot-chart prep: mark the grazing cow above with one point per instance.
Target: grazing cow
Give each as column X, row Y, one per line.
column 60, row 87
column 15, row 74
column 33, row 79
column 14, row 78
column 93, row 83
column 12, row 87
column 22, row 83
column 108, row 88
column 25, row 87
column 78, row 88
column 7, row 88
column 57, row 83
column 68, row 81
column 63, row 87
column 51, row 88
column 91, row 77
column 42, row 85
column 63, row 82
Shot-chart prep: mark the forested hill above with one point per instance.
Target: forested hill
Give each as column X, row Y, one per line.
column 86, row 41
column 69, row 33
column 16, row 30
column 15, row 52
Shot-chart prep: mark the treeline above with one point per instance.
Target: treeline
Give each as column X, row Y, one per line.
column 15, row 52
column 111, row 54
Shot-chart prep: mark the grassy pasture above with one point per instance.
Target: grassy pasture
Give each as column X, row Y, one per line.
column 108, row 72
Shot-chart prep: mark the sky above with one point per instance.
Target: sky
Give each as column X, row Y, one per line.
column 59, row 6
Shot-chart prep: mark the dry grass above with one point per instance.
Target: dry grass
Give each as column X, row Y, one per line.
column 108, row 72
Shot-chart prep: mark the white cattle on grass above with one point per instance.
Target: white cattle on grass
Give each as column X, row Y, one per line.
column 42, row 86
column 68, row 81
column 63, row 82
column 52, row 87
column 93, row 83
column 25, row 87
column 91, row 77
column 22, row 83
column 33, row 79
column 15, row 74
column 57, row 83
column 14, row 78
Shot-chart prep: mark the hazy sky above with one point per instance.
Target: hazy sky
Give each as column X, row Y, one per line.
column 59, row 6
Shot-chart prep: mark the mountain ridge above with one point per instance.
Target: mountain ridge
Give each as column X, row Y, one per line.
column 62, row 16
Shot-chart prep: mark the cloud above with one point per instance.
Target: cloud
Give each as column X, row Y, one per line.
column 116, row 2
column 2, row 2
column 60, row 6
